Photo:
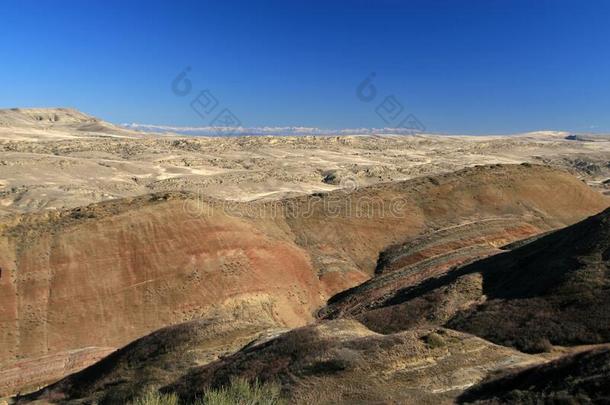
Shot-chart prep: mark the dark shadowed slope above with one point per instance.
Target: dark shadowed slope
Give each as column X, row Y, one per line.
column 553, row 289
column 583, row 378
column 335, row 362
column 155, row 360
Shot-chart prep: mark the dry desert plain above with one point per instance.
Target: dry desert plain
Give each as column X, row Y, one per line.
column 346, row 269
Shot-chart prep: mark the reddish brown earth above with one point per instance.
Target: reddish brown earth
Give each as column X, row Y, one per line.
column 106, row 274
column 429, row 255
column 561, row 278
column 105, row 281
column 31, row 373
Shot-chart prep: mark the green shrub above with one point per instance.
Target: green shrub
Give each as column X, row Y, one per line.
column 155, row 398
column 241, row 392
column 238, row 392
column 434, row 340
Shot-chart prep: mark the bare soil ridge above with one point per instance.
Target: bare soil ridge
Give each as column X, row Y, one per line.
column 148, row 262
column 343, row 361
column 235, row 241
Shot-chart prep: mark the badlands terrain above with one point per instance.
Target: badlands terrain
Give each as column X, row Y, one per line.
column 352, row 269
column 54, row 159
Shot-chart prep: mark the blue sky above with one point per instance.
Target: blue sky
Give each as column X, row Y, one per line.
column 459, row 66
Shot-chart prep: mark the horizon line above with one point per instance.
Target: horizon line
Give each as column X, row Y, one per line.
column 305, row 130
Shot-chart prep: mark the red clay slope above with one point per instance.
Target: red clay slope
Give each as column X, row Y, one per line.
column 109, row 273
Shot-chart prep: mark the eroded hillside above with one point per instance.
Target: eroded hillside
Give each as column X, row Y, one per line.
column 557, row 281
column 548, row 291
column 125, row 268
column 108, row 234
column 334, row 362
column 580, row 378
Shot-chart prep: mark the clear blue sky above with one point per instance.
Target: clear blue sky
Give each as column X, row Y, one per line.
column 459, row 66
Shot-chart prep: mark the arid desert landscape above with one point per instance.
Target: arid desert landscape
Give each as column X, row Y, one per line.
column 402, row 269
